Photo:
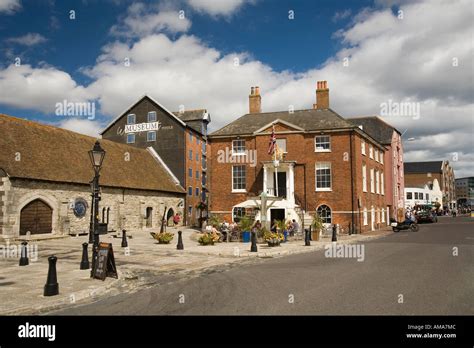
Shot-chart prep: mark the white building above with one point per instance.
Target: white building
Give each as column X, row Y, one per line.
column 429, row 194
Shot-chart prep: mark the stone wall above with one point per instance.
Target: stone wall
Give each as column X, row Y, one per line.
column 127, row 207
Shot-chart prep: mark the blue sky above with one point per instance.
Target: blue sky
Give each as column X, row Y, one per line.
column 406, row 56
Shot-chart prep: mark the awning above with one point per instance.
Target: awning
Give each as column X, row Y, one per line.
column 251, row 203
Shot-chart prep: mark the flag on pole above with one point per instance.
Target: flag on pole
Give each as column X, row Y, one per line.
column 272, row 143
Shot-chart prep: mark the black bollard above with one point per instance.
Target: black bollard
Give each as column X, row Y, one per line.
column 253, row 248
column 85, row 257
column 306, row 237
column 180, row 245
column 24, row 254
column 334, row 233
column 124, row 239
column 51, row 288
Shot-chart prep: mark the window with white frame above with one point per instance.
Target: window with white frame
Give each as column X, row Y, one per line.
column 152, row 116
column 362, row 147
column 372, row 184
column 323, row 176
column 382, row 185
column 322, row 143
column 151, row 136
column 365, row 217
column 383, row 214
column 376, row 155
column 324, row 212
column 381, row 157
column 238, row 178
column 409, row 195
column 238, row 147
column 364, row 178
column 281, row 144
column 377, row 182
column 371, row 152
column 130, row 138
column 131, row 119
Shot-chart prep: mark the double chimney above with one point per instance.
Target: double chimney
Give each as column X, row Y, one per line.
column 322, row 98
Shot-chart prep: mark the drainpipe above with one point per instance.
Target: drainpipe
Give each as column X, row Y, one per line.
column 352, row 183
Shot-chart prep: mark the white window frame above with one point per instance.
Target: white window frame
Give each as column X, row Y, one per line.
column 372, row 180
column 364, row 178
column 241, row 147
column 322, row 189
column 131, row 135
column 371, row 152
column 382, row 184
column 316, row 149
column 377, row 182
column 134, row 119
column 234, row 190
column 281, row 148
column 365, row 217
column 148, row 136
column 362, row 147
column 382, row 154
column 376, row 155
column 383, row 215
column 151, row 113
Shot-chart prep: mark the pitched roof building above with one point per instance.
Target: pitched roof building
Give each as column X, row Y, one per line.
column 47, row 169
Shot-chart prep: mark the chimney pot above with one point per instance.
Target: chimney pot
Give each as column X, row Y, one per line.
column 322, row 95
column 255, row 101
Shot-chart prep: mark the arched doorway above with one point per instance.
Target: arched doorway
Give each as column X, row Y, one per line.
column 36, row 217
column 149, row 216
column 169, row 217
column 324, row 212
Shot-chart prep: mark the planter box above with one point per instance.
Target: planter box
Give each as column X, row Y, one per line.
column 315, row 235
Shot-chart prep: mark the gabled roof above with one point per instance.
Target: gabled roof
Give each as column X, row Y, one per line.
column 423, row 167
column 278, row 121
column 309, row 120
column 54, row 154
column 376, row 128
column 137, row 102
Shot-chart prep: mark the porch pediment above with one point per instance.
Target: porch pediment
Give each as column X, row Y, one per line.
column 280, row 126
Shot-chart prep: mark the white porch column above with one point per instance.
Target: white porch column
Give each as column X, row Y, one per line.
column 264, row 178
column 291, row 184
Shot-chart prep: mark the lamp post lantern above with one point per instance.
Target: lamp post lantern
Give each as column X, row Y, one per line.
column 96, row 156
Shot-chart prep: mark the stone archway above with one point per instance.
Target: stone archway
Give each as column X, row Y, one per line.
column 169, row 217
column 30, row 197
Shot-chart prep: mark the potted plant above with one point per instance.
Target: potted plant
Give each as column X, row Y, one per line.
column 245, row 225
column 163, row 238
column 316, row 227
column 273, row 239
column 281, row 228
column 208, row 239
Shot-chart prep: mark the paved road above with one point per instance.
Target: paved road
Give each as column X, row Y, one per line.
column 418, row 265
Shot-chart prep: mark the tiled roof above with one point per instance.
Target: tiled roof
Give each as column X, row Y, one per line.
column 376, row 128
column 309, row 120
column 55, row 154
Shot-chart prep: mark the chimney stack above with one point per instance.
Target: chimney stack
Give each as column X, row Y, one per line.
column 322, row 95
column 255, row 100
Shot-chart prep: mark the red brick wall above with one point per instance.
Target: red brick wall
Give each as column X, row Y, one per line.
column 300, row 148
column 196, row 166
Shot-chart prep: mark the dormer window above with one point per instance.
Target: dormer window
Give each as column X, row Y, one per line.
column 131, row 118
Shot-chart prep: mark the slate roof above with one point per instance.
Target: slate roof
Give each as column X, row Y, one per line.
column 376, row 128
column 54, row 154
column 191, row 115
column 423, row 167
column 309, row 120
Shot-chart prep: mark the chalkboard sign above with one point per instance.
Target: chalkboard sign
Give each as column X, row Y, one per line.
column 105, row 265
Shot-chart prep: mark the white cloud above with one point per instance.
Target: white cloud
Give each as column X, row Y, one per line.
column 30, row 39
column 83, row 126
column 142, row 20
column 221, row 7
column 341, row 15
column 38, row 88
column 9, row 6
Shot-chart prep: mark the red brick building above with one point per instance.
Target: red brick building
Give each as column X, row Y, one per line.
column 327, row 165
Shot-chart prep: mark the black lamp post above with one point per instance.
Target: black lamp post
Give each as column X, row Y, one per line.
column 96, row 156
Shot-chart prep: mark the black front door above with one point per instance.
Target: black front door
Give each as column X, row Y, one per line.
column 277, row 214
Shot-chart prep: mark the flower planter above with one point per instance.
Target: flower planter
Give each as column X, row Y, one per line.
column 273, row 244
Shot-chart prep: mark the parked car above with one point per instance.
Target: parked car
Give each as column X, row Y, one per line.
column 426, row 216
